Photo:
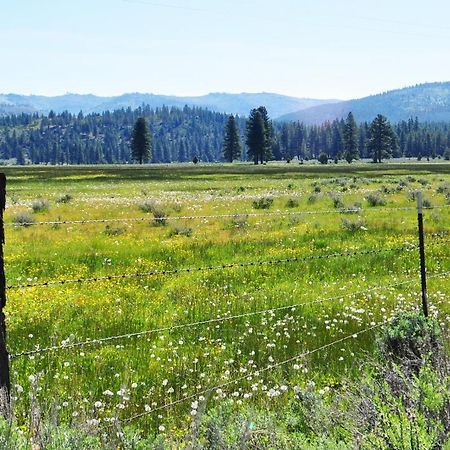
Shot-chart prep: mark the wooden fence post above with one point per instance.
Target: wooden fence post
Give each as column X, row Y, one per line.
column 423, row 272
column 5, row 385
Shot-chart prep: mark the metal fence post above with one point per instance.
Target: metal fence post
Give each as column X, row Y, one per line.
column 4, row 357
column 423, row 273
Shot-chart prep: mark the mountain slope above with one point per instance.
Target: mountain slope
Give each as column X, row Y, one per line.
column 241, row 104
column 429, row 102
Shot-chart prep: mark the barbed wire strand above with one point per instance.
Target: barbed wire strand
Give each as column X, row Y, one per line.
column 255, row 373
column 215, row 216
column 100, row 341
column 217, row 267
column 404, row 248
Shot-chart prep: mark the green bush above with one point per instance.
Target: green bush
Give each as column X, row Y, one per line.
column 263, row 203
column 292, row 203
column 23, row 219
column 312, row 199
column 147, row 206
column 40, row 205
column 66, row 198
column 159, row 216
column 181, row 231
column 354, row 225
column 375, row 199
column 114, row 231
column 337, row 201
column 410, row 337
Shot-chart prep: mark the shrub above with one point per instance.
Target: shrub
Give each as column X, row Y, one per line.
column 239, row 221
column 147, row 206
column 337, row 201
column 263, row 203
column 23, row 219
column 375, row 199
column 426, row 203
column 386, row 189
column 66, row 198
column 412, row 196
column 114, row 231
column 292, row 203
column 323, row 158
column 354, row 225
column 410, row 340
column 40, row 205
column 443, row 188
column 181, row 231
column 160, row 216
column 312, row 199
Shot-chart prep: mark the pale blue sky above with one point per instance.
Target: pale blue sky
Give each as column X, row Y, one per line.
column 316, row 48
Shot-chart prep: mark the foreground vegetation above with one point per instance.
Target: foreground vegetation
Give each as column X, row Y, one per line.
column 401, row 402
column 100, row 388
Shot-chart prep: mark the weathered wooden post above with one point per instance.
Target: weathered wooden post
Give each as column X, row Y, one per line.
column 423, row 272
column 5, row 384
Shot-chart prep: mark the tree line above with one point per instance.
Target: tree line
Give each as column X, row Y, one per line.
column 193, row 134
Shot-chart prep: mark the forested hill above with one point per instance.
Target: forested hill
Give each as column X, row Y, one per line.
column 429, row 102
column 181, row 134
column 221, row 102
column 178, row 135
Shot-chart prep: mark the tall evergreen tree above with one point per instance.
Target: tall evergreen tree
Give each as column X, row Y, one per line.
column 141, row 141
column 285, row 142
column 259, row 135
column 268, row 134
column 381, row 139
column 350, row 135
column 256, row 136
column 232, row 141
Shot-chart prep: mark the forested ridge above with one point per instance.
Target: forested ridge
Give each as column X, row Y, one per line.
column 182, row 134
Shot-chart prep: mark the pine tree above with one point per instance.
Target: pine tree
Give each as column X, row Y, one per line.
column 285, row 142
column 381, row 139
column 256, row 136
column 259, row 135
column 232, row 141
column 350, row 136
column 268, row 134
column 141, row 141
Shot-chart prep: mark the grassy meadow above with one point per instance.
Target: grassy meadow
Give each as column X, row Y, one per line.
column 141, row 375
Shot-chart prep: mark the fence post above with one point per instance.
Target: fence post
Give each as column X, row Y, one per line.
column 4, row 357
column 423, row 273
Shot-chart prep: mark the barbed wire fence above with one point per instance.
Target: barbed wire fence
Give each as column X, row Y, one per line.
column 406, row 247
column 166, row 218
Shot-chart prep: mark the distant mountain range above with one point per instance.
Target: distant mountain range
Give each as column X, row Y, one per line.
column 429, row 102
column 241, row 104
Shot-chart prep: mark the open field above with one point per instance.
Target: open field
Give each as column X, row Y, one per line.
column 143, row 375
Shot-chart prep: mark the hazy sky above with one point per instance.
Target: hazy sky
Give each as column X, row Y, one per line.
column 315, row 48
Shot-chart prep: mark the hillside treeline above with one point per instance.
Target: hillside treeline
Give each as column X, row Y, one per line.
column 182, row 134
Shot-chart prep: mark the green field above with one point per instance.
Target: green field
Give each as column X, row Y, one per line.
column 129, row 376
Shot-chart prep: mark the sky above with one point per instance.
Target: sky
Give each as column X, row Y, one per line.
column 338, row 49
